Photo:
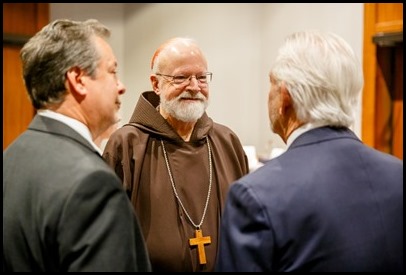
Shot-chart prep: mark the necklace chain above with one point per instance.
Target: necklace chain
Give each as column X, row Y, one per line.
column 176, row 193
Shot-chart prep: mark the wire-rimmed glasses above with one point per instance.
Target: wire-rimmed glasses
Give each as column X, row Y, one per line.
column 183, row 80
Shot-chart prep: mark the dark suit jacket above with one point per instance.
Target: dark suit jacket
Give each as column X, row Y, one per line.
column 64, row 209
column 329, row 203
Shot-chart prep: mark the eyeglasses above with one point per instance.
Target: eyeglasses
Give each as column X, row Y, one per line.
column 202, row 79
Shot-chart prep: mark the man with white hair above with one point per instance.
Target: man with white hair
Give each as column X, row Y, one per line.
column 175, row 162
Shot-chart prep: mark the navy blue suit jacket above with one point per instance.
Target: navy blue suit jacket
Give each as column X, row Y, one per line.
column 329, row 203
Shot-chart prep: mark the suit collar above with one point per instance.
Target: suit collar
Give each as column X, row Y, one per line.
column 323, row 134
column 55, row 127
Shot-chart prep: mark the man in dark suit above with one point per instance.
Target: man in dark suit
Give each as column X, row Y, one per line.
column 64, row 209
column 329, row 203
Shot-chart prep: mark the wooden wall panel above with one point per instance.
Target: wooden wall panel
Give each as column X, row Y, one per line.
column 382, row 106
column 19, row 21
column 397, row 114
column 389, row 17
column 383, row 103
column 16, row 17
column 370, row 69
column 17, row 108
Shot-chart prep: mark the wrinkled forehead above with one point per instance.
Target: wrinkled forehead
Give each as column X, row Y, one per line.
column 182, row 47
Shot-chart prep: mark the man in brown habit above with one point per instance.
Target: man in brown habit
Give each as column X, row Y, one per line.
column 176, row 163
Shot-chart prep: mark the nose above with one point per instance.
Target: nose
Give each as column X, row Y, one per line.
column 193, row 82
column 190, row 78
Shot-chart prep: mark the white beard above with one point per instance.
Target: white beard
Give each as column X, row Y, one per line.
column 185, row 111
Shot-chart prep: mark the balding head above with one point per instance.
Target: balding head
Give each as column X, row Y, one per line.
column 176, row 51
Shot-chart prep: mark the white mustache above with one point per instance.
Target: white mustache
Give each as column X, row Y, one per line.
column 187, row 94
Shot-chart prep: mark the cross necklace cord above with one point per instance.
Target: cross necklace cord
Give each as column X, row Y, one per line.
column 199, row 240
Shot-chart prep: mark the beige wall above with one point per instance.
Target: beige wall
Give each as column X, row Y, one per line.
column 240, row 41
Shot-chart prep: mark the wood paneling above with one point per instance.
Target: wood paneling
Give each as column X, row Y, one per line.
column 397, row 107
column 382, row 105
column 389, row 17
column 19, row 20
column 370, row 68
column 17, row 108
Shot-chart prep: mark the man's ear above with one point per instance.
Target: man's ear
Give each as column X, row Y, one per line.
column 154, row 83
column 286, row 98
column 75, row 77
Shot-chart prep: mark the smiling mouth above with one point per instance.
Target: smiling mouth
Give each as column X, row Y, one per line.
column 190, row 99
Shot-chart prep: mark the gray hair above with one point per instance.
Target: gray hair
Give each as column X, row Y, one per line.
column 49, row 54
column 323, row 75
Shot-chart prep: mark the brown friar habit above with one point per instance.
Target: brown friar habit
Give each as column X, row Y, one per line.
column 136, row 154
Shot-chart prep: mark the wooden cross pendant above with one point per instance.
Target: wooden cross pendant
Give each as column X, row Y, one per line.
column 200, row 241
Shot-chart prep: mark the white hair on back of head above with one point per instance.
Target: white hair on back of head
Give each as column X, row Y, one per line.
column 323, row 76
